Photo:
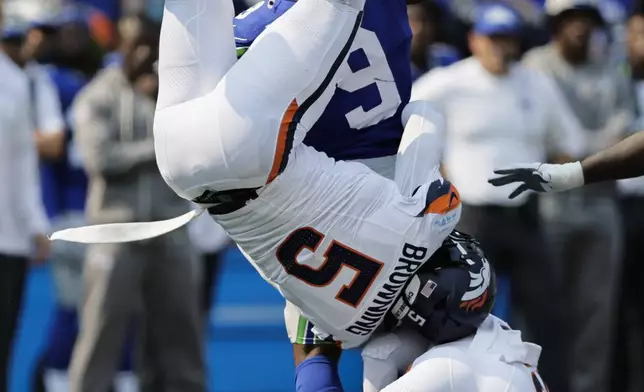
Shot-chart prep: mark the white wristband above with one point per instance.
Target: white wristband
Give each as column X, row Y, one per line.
column 565, row 177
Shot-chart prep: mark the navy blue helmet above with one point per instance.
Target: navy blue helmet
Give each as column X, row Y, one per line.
column 450, row 295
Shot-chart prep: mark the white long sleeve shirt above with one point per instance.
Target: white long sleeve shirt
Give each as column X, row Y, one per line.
column 22, row 214
column 47, row 113
column 496, row 121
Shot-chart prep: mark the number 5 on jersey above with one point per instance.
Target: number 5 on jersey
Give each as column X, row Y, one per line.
column 336, row 257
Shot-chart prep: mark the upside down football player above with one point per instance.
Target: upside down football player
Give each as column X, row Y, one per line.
column 280, row 199
column 362, row 122
column 337, row 239
column 386, row 355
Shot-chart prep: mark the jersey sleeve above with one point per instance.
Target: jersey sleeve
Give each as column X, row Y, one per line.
column 25, row 169
column 49, row 115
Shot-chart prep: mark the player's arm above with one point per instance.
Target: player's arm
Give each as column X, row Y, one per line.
column 317, row 368
column 302, row 352
column 309, row 351
column 623, row 160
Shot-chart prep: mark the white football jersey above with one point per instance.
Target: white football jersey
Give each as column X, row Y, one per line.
column 341, row 251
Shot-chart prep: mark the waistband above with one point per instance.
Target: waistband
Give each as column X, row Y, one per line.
column 226, row 202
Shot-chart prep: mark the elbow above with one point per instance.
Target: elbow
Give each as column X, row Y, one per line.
column 98, row 164
column 51, row 146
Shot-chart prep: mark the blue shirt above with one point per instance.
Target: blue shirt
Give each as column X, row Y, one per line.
column 64, row 184
column 362, row 120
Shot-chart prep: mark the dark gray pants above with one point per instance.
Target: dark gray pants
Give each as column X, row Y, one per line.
column 585, row 231
column 13, row 274
column 513, row 241
column 628, row 357
column 157, row 282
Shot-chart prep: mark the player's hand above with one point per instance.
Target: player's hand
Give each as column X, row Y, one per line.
column 42, row 247
column 539, row 177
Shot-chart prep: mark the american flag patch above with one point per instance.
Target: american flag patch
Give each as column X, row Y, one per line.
column 428, row 289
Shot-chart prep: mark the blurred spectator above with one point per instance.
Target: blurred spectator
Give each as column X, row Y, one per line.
column 628, row 358
column 427, row 51
column 84, row 34
column 23, row 221
column 211, row 241
column 113, row 118
column 110, row 7
column 46, row 113
column 63, row 180
column 584, row 226
column 530, row 11
column 127, row 29
column 499, row 112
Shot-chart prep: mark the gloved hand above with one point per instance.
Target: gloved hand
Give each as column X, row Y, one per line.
column 540, row 177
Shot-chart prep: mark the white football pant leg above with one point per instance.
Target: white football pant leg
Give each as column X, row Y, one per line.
column 241, row 134
column 196, row 49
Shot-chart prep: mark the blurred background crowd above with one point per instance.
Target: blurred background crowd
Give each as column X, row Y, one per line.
column 530, row 81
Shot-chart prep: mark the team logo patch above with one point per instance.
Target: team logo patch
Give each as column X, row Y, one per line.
column 477, row 295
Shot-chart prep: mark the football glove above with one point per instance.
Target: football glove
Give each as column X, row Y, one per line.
column 540, row 177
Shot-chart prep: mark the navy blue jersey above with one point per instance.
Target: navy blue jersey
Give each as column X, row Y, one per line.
column 363, row 118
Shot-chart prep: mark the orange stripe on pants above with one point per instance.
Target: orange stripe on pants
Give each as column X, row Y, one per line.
column 282, row 138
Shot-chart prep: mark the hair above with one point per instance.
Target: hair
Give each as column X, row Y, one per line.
column 637, row 10
column 554, row 22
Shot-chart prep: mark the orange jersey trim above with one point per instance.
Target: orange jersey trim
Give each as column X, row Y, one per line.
column 445, row 203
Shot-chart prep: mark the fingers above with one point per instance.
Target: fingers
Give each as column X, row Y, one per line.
column 504, row 180
column 520, row 189
column 511, row 175
column 517, row 167
column 511, row 171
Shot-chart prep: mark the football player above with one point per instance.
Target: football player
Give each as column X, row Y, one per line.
column 362, row 122
column 448, row 302
column 444, row 338
column 338, row 240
